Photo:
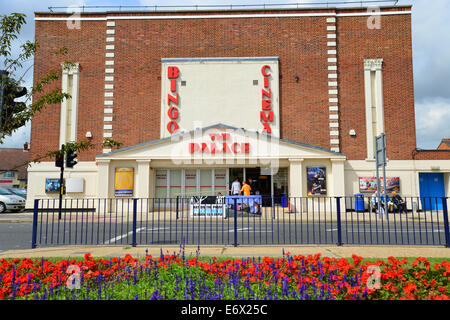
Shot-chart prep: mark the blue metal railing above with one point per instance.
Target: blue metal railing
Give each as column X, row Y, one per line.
column 244, row 220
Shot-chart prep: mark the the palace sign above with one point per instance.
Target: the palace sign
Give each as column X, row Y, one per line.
column 220, row 143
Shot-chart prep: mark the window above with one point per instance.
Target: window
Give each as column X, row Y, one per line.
column 175, row 183
column 190, row 182
column 373, row 87
column 206, row 182
column 69, row 107
column 161, row 184
column 9, row 174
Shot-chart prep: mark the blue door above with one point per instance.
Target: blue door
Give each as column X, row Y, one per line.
column 431, row 189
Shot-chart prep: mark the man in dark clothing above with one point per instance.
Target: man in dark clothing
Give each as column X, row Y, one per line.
column 252, row 185
column 399, row 203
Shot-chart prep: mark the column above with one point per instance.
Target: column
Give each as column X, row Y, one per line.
column 295, row 177
column 143, row 179
column 295, row 184
column 338, row 176
column 103, row 186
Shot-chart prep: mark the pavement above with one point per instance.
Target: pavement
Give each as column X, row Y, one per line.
column 381, row 252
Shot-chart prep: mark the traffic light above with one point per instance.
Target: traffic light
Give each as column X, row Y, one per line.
column 71, row 158
column 9, row 92
column 59, row 160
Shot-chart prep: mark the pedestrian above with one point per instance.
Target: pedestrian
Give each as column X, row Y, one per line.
column 246, row 189
column 252, row 185
column 399, row 203
column 235, row 187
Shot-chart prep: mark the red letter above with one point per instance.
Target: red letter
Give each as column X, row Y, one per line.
column 173, row 72
column 263, row 71
column 205, row 147
column 263, row 117
column 173, row 112
column 172, row 98
column 266, row 82
column 193, row 147
column 245, row 147
column 266, row 105
column 267, row 94
column 173, row 85
column 267, row 127
column 172, row 126
column 225, row 149
column 233, row 147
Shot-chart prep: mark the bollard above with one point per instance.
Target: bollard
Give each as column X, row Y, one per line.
column 134, row 222
column 235, row 222
column 35, row 219
column 446, row 225
column 339, row 229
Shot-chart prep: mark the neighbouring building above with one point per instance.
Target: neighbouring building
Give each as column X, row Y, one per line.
column 200, row 97
column 13, row 167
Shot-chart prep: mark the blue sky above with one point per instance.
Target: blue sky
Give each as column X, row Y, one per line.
column 431, row 50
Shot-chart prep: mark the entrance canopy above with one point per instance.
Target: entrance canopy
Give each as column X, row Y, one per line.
column 220, row 142
column 223, row 146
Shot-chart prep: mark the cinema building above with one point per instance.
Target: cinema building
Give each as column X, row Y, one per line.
column 199, row 98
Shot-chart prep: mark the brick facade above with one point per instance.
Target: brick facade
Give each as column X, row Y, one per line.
column 301, row 43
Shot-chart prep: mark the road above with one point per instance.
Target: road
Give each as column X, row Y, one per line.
column 16, row 231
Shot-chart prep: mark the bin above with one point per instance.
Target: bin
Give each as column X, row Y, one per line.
column 284, row 201
column 359, row 202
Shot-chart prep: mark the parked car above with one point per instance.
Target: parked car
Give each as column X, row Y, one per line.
column 10, row 201
column 19, row 192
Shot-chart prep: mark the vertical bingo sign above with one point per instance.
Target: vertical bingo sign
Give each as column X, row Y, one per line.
column 124, row 182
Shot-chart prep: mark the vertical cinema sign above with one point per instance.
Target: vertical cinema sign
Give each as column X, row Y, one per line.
column 266, row 114
column 172, row 99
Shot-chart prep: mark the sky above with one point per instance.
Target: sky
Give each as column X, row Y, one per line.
column 431, row 52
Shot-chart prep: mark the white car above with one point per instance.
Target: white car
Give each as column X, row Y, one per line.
column 10, row 201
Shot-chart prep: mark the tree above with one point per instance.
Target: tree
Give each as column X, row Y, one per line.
column 14, row 115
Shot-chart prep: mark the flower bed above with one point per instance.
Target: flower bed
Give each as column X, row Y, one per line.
column 175, row 277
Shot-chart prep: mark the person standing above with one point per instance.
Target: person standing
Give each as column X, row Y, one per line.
column 235, row 187
column 252, row 185
column 246, row 189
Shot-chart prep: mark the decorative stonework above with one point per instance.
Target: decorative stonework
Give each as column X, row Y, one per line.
column 109, row 82
column 333, row 91
column 373, row 64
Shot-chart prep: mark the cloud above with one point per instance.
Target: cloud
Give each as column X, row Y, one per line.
column 432, row 122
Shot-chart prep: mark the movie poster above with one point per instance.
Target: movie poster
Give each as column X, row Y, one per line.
column 369, row 184
column 52, row 185
column 317, row 181
column 124, row 182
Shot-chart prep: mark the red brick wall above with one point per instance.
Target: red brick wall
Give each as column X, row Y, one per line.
column 86, row 46
column 431, row 155
column 300, row 44
column 392, row 43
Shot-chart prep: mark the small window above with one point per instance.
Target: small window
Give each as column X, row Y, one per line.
column 9, row 174
column 183, row 83
column 255, row 82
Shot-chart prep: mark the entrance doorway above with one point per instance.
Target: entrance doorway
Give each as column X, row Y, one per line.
column 431, row 190
column 262, row 183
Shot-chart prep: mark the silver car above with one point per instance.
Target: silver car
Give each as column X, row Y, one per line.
column 10, row 201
